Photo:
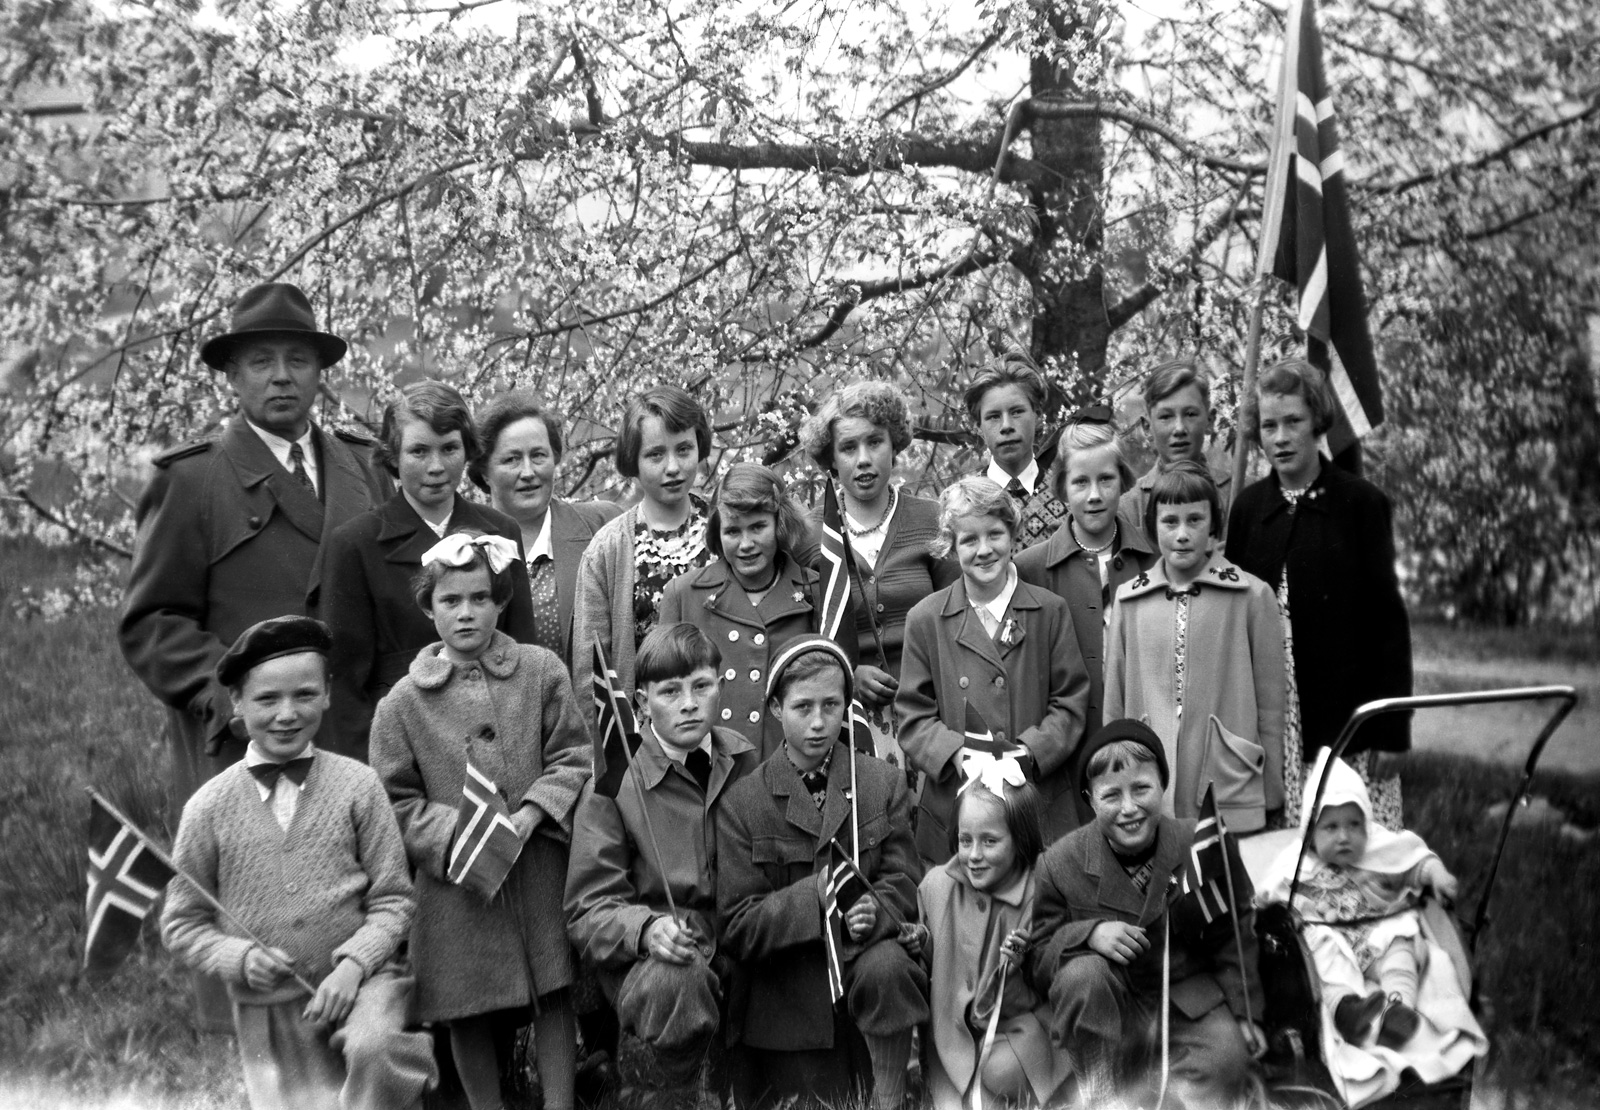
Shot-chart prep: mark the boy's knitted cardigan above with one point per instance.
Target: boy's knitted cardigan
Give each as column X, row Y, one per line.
column 334, row 885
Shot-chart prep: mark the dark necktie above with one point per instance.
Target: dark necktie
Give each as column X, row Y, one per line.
column 297, row 467
column 295, row 769
column 546, row 612
column 699, row 765
column 1014, row 488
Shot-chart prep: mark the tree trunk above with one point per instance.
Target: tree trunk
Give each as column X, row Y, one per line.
column 1063, row 266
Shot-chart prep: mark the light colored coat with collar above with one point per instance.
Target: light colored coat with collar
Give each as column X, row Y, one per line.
column 1032, row 690
column 228, row 538
column 748, row 636
column 773, row 841
column 1231, row 728
column 573, row 525
column 617, row 884
column 964, row 963
column 515, row 712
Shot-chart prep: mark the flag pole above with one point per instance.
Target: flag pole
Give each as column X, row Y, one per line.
column 205, row 895
column 1247, row 391
column 649, row 826
column 1233, row 917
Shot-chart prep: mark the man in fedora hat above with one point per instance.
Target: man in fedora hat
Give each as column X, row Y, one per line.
column 231, row 525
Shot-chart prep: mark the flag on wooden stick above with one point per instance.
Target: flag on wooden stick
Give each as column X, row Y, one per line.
column 486, row 842
column 1306, row 235
column 618, row 731
column 126, row 876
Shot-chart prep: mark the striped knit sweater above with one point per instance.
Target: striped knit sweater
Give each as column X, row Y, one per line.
column 334, row 885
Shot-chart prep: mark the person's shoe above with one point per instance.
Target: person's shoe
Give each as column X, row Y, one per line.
column 1354, row 1015
column 1398, row 1025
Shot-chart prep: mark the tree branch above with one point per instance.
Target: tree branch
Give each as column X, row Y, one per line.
column 87, row 537
column 1504, row 150
column 1141, row 298
column 1047, row 108
column 943, row 79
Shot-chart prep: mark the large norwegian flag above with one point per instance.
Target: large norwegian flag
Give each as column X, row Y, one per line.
column 836, row 568
column 126, row 876
column 1306, row 237
column 618, row 738
column 486, row 843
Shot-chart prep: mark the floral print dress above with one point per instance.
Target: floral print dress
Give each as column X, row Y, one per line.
column 659, row 557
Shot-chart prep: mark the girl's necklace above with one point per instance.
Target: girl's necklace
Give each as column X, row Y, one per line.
column 1094, row 550
column 756, row 595
column 894, row 495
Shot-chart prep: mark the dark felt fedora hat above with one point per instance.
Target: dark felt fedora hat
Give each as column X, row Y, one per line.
column 271, row 310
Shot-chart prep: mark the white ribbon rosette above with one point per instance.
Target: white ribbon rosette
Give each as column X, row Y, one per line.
column 992, row 771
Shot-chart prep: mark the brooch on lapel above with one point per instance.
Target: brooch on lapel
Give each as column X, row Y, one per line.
column 711, row 602
column 1227, row 574
column 1142, row 581
column 1010, row 633
column 799, row 595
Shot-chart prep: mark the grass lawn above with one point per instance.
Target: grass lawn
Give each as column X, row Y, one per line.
column 73, row 715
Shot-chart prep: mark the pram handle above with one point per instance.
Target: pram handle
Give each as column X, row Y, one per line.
column 1567, row 697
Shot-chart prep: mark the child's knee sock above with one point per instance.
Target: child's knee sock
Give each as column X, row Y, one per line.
column 889, row 1058
column 1397, row 970
column 472, row 1045
column 555, row 1049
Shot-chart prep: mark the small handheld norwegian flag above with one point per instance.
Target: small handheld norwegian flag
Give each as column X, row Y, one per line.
column 126, row 876
column 1204, row 902
column 618, row 729
column 486, row 843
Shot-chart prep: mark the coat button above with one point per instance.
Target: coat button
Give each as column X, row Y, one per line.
column 870, row 579
column 999, row 682
column 999, row 736
column 759, row 638
column 291, row 888
column 963, row 682
column 983, row 904
column 486, row 733
column 731, row 674
column 727, row 714
column 255, row 522
column 755, row 716
column 880, row 606
column 734, row 635
column 755, row 675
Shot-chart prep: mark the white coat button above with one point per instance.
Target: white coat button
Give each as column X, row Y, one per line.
column 731, row 675
column 1000, row 682
column 759, row 638
column 734, row 635
column 963, row 682
column 755, row 716
column 727, row 714
column 755, row 675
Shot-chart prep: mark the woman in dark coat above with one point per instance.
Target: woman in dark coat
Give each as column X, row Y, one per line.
column 1324, row 539
column 522, row 444
column 427, row 440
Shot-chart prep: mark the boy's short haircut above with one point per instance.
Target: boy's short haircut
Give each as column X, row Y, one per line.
column 809, row 665
column 1295, row 377
column 1015, row 369
column 1088, row 437
column 426, row 579
column 1117, row 756
column 1171, row 376
column 674, row 651
column 1182, row 482
column 1021, row 807
column 678, row 412
column 972, row 495
column 439, row 406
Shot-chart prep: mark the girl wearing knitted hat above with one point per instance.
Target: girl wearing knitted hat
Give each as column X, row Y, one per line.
column 1391, row 997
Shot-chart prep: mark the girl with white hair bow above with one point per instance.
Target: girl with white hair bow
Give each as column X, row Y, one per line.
column 989, row 1031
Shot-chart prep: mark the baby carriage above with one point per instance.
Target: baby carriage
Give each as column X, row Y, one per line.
column 1296, row 1064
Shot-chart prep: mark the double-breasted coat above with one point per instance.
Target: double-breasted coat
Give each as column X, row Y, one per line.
column 1229, row 728
column 226, row 538
column 572, row 525
column 372, row 612
column 966, row 928
column 1061, row 565
column 617, row 883
column 772, row 841
column 748, row 636
column 1352, row 638
column 514, row 711
column 1031, row 690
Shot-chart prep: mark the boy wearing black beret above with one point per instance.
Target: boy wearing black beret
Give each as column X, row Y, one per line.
column 303, row 849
